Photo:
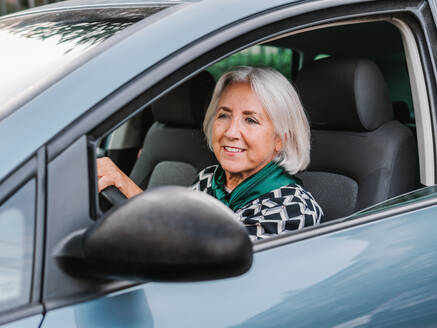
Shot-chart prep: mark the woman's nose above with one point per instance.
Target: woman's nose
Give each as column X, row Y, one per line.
column 233, row 130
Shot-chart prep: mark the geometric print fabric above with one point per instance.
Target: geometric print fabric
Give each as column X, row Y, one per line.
column 287, row 208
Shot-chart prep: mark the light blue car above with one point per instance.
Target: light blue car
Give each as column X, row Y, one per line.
column 130, row 80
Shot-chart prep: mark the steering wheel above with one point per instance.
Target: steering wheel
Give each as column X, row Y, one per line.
column 109, row 197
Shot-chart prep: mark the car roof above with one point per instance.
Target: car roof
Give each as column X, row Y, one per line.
column 85, row 4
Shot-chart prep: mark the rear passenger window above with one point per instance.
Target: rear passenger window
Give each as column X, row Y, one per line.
column 17, row 222
column 259, row 55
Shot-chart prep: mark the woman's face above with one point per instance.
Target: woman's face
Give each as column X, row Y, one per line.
column 243, row 136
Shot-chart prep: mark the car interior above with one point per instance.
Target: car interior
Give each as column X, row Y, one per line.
column 355, row 85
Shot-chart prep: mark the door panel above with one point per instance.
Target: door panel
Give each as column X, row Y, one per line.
column 380, row 273
column 129, row 309
column 29, row 322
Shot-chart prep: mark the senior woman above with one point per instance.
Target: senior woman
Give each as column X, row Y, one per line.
column 256, row 126
column 258, row 131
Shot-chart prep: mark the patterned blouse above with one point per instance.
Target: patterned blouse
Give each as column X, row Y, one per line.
column 287, row 208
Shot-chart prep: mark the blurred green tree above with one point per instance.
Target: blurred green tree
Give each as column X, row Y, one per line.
column 258, row 56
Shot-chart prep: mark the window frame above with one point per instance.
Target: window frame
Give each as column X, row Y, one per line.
column 403, row 16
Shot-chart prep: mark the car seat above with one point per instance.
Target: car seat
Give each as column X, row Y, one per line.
column 360, row 155
column 175, row 148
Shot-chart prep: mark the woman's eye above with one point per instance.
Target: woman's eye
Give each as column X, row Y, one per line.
column 251, row 120
column 222, row 115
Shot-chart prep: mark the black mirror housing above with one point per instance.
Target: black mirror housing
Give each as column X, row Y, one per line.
column 165, row 234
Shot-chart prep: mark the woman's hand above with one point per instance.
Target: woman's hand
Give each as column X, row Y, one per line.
column 108, row 174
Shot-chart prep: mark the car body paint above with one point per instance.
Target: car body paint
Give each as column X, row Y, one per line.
column 33, row 321
column 374, row 274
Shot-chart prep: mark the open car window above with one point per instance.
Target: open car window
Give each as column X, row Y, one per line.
column 139, row 144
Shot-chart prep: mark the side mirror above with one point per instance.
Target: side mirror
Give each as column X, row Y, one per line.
column 165, row 234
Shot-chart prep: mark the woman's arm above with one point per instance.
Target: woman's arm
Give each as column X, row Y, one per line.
column 108, row 174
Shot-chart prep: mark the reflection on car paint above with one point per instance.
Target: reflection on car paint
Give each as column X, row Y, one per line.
column 129, row 309
column 33, row 321
column 379, row 280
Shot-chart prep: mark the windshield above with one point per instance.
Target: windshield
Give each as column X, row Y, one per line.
column 35, row 47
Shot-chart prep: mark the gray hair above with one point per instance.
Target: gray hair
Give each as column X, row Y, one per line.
column 283, row 106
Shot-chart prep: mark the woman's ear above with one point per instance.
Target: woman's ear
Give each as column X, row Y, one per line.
column 278, row 144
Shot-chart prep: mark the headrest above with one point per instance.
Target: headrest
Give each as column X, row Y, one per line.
column 185, row 105
column 344, row 94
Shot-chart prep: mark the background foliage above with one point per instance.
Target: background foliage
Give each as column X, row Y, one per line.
column 258, row 56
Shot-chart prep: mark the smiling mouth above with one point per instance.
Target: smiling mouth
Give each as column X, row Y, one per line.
column 233, row 149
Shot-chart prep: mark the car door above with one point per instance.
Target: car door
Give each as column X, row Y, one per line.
column 380, row 273
column 372, row 269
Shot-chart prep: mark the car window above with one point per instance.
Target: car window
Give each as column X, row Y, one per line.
column 259, row 55
column 54, row 39
column 322, row 44
column 408, row 198
column 16, row 246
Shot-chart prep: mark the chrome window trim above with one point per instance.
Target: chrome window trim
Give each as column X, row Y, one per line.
column 419, row 92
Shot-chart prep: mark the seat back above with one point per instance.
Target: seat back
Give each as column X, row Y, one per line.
column 360, row 155
column 174, row 148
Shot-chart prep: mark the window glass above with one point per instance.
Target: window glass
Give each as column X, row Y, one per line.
column 275, row 57
column 16, row 246
column 54, row 39
column 404, row 199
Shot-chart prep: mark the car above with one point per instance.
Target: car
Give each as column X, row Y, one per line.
column 129, row 80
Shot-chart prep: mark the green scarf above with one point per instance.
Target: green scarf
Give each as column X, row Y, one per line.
column 269, row 178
